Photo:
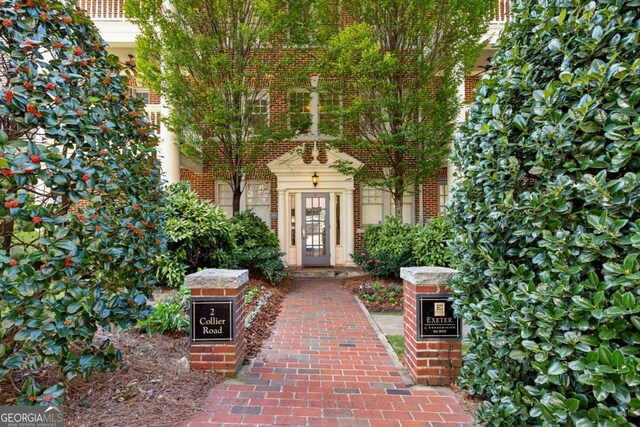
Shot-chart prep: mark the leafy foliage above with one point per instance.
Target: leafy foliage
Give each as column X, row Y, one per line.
column 258, row 248
column 71, row 137
column 200, row 236
column 547, row 223
column 169, row 314
column 212, row 62
column 430, row 243
column 398, row 66
column 389, row 294
column 393, row 245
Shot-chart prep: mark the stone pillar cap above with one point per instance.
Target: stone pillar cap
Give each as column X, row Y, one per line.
column 214, row 278
column 427, row 275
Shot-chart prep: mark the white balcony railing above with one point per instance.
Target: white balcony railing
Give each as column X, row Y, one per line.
column 503, row 13
column 113, row 10
column 103, row 10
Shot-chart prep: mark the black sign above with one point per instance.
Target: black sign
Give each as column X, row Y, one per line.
column 436, row 319
column 212, row 320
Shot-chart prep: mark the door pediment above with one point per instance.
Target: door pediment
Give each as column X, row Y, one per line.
column 292, row 162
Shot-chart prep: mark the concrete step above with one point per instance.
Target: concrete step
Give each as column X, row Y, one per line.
column 323, row 272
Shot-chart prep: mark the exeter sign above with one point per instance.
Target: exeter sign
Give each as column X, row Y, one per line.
column 212, row 320
column 436, row 319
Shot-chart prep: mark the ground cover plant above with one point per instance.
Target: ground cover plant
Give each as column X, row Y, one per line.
column 382, row 296
column 547, row 226
column 79, row 191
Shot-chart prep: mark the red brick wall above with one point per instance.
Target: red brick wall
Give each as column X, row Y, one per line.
column 433, row 362
column 470, row 84
column 204, row 184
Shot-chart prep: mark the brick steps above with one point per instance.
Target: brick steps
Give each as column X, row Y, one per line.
column 323, row 272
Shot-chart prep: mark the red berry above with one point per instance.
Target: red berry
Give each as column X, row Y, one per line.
column 8, row 95
column 7, row 22
column 11, row 204
column 36, row 220
column 7, row 172
column 13, row 262
column 35, row 159
column 85, row 177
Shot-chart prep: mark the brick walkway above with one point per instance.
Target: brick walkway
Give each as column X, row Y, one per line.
column 325, row 366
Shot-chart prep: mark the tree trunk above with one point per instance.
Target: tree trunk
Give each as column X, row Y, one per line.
column 397, row 201
column 236, row 188
column 6, row 231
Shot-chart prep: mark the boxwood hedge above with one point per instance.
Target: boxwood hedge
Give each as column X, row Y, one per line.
column 547, row 213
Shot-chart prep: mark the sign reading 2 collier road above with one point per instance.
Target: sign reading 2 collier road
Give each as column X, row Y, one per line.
column 436, row 319
column 212, row 320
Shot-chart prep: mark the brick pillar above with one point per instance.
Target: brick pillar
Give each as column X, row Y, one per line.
column 433, row 360
column 215, row 289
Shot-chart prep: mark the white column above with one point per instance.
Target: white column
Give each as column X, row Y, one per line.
column 282, row 235
column 348, row 247
column 461, row 98
column 450, row 178
column 168, row 151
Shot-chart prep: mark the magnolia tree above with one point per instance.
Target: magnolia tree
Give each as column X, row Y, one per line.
column 548, row 221
column 80, row 185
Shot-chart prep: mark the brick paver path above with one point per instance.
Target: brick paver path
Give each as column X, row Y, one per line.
column 325, row 366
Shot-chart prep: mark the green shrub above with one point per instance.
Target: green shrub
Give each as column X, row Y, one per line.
column 382, row 262
column 169, row 314
column 257, row 247
column 200, row 236
column 430, row 243
column 387, row 248
column 252, row 232
column 392, row 236
column 79, row 170
column 547, row 225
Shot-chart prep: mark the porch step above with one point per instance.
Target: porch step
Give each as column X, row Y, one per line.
column 323, row 272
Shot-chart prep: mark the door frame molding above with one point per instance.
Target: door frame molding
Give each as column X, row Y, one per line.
column 294, row 177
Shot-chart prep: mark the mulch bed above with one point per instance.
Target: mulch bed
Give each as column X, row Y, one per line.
column 156, row 386
column 352, row 284
column 260, row 328
column 469, row 402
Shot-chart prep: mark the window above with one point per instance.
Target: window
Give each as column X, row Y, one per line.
column 372, row 204
column 443, row 196
column 329, row 122
column 257, row 111
column 299, row 33
column 292, row 202
column 141, row 93
column 338, row 214
column 224, row 198
column 408, row 214
column 258, row 196
column 300, row 111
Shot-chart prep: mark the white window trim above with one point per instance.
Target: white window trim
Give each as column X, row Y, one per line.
column 261, row 94
column 244, row 200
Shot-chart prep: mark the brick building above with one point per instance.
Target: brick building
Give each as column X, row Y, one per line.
column 317, row 224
